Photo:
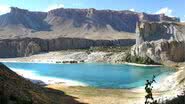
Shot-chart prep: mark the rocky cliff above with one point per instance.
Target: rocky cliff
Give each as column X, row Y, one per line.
column 161, row 42
column 29, row 46
column 23, row 33
column 80, row 23
column 161, row 51
column 151, row 31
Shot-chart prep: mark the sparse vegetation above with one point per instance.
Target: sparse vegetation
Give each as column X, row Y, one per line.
column 110, row 48
column 103, row 49
column 139, row 60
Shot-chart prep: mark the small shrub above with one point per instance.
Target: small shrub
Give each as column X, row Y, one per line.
column 139, row 60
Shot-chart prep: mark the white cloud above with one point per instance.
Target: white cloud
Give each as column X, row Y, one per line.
column 132, row 9
column 54, row 6
column 4, row 9
column 167, row 11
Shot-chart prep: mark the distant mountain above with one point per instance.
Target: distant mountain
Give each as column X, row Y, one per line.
column 81, row 23
column 24, row 18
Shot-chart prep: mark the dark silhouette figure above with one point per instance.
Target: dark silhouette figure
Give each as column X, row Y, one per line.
column 148, row 89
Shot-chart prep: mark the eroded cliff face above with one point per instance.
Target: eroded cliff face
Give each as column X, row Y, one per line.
column 152, row 31
column 79, row 23
column 24, row 32
column 160, row 41
column 29, row 46
column 161, row 51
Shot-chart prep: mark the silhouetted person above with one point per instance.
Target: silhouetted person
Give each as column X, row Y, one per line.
column 148, row 89
column 147, row 84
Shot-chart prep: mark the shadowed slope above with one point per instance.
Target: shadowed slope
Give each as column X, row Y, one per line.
column 16, row 90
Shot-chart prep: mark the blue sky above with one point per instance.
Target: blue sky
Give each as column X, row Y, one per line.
column 169, row 7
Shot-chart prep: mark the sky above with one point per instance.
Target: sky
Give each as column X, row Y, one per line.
column 169, row 7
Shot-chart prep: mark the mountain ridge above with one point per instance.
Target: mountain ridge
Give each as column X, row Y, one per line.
column 80, row 23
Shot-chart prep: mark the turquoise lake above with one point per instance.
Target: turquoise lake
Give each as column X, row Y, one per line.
column 96, row 75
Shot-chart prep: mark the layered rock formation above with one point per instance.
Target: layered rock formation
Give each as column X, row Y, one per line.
column 161, row 51
column 29, row 46
column 81, row 23
column 23, row 33
column 24, row 18
column 160, row 41
column 151, row 31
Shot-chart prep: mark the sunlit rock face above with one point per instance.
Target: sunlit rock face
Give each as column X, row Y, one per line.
column 29, row 46
column 101, row 19
column 23, row 33
column 151, row 31
column 24, row 19
column 160, row 41
column 91, row 20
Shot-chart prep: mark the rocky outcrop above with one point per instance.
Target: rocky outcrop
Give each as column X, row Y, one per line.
column 160, row 41
column 161, row 51
column 21, row 47
column 30, row 46
column 151, row 31
column 155, row 18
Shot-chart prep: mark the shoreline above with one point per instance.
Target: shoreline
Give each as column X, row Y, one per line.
column 52, row 62
column 52, row 80
column 66, row 57
column 166, row 87
column 145, row 65
column 44, row 80
column 167, row 83
column 30, row 62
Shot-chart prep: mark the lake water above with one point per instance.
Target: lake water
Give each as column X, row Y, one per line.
column 95, row 75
